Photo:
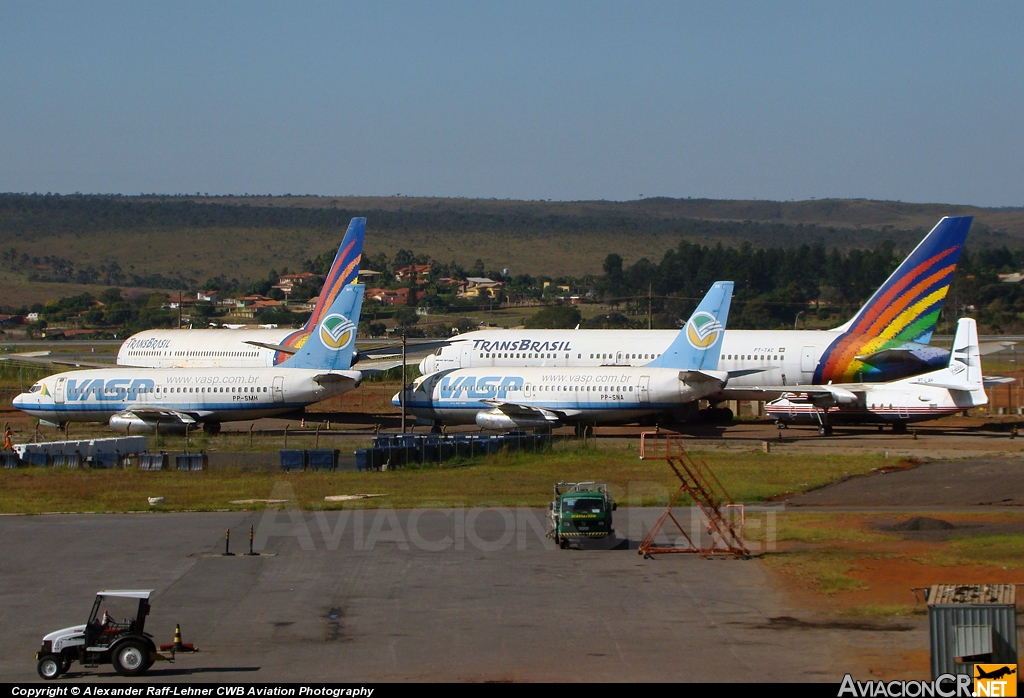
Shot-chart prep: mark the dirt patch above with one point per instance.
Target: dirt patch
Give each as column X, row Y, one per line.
column 791, row 623
column 968, row 482
column 920, row 523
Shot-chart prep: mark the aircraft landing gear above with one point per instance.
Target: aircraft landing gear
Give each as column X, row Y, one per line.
column 825, row 430
column 781, row 425
column 899, row 427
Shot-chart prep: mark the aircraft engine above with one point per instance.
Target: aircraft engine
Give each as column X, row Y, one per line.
column 428, row 364
column 497, row 420
column 132, row 424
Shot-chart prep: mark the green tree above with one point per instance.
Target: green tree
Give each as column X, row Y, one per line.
column 554, row 317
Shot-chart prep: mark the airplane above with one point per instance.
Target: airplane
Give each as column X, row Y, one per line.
column 957, row 387
column 510, row 398
column 148, row 400
column 249, row 348
column 999, row 673
column 887, row 338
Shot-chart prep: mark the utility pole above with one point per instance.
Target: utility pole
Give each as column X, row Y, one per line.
column 401, row 391
column 650, row 291
column 179, row 309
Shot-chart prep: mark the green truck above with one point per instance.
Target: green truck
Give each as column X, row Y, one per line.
column 581, row 510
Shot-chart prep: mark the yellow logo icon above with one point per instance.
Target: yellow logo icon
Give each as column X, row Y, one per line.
column 703, row 330
column 336, row 331
column 995, row 679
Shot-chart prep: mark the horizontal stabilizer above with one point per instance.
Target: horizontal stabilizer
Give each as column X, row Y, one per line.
column 704, row 377
column 990, row 381
column 273, row 347
column 335, row 377
column 986, row 348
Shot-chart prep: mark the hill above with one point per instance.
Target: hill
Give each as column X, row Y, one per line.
column 169, row 242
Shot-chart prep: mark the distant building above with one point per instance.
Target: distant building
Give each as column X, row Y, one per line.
column 479, row 286
column 287, row 282
column 207, row 296
column 418, row 270
column 391, row 296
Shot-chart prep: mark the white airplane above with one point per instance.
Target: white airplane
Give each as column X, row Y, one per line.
column 145, row 400
column 957, row 387
column 887, row 338
column 248, row 348
column 508, row 398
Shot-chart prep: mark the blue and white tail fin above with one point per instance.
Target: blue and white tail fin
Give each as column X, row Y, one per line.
column 331, row 345
column 344, row 270
column 699, row 344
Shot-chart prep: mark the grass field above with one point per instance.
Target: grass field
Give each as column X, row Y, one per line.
column 504, row 479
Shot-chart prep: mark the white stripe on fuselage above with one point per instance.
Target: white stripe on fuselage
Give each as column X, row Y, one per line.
column 209, row 348
column 782, row 357
column 601, row 394
column 222, row 394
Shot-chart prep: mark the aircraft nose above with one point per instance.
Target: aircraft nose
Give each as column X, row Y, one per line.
column 19, row 401
column 397, row 399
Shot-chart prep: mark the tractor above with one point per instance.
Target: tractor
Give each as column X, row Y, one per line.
column 104, row 639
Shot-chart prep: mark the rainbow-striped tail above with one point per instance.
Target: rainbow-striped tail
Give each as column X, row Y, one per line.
column 906, row 307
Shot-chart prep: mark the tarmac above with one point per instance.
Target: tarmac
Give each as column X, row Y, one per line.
column 442, row 595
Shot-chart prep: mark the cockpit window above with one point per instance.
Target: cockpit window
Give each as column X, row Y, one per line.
column 36, row 388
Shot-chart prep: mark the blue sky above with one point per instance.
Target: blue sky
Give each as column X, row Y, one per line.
column 911, row 101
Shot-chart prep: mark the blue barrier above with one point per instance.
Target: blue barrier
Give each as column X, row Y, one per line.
column 322, row 459
column 397, row 450
column 154, row 461
column 66, row 460
column 37, row 459
column 293, row 459
column 105, row 460
column 191, row 461
column 9, row 460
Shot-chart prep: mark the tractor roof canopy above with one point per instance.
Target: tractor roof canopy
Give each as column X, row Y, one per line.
column 126, row 593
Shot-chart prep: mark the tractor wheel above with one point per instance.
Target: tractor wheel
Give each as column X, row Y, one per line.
column 49, row 666
column 211, row 428
column 65, row 664
column 131, row 658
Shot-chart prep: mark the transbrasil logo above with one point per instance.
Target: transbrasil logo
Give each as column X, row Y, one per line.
column 703, row 330
column 336, row 331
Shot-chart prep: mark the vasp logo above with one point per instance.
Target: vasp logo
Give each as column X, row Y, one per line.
column 703, row 330
column 336, row 331
column 995, row 680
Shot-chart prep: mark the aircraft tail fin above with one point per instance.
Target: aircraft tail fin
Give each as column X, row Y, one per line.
column 963, row 373
column 331, row 345
column 965, row 356
column 906, row 307
column 344, row 270
column 699, row 343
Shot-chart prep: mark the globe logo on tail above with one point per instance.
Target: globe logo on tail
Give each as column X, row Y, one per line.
column 336, row 331
column 703, row 330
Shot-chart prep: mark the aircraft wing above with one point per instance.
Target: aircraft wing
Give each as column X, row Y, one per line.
column 513, row 410
column 154, row 412
column 369, row 368
column 825, row 395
